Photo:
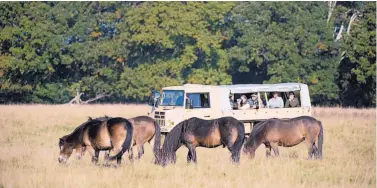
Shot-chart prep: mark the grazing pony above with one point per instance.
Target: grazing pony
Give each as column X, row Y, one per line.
column 195, row 132
column 276, row 132
column 145, row 129
column 80, row 150
column 95, row 135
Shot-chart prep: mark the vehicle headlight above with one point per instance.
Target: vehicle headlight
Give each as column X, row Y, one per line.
column 170, row 123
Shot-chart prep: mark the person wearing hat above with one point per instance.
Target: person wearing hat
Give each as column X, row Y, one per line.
column 292, row 102
column 276, row 101
column 253, row 101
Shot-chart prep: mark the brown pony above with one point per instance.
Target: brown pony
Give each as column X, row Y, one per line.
column 196, row 132
column 275, row 132
column 95, row 135
column 80, row 150
column 145, row 129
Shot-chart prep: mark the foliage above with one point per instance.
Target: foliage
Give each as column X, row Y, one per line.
column 48, row 50
column 358, row 66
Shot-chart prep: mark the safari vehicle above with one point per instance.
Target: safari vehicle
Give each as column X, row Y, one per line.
column 177, row 103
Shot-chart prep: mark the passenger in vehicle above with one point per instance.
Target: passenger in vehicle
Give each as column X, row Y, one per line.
column 254, row 101
column 231, row 101
column 242, row 103
column 276, row 101
column 292, row 101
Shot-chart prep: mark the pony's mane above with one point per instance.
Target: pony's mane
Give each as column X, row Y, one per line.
column 257, row 129
column 173, row 139
column 99, row 118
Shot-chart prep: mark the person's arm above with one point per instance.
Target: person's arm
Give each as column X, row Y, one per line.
column 246, row 106
column 281, row 103
column 287, row 103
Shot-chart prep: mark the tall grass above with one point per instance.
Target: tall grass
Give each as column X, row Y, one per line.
column 29, row 151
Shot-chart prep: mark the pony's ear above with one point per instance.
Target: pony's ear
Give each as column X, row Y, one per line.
column 90, row 118
column 61, row 140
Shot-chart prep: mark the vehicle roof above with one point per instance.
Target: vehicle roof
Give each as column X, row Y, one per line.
column 242, row 88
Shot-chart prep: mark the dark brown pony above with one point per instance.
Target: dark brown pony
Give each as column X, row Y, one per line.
column 196, row 132
column 275, row 132
column 101, row 134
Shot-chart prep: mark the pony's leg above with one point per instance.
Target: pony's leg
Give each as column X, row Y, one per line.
column 268, row 150
column 119, row 160
column 274, row 146
column 107, row 155
column 92, row 152
column 189, row 156
column 315, row 152
column 95, row 157
column 140, row 151
column 193, row 152
column 310, row 143
column 131, row 154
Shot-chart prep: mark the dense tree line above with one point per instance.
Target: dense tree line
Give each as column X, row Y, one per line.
column 51, row 52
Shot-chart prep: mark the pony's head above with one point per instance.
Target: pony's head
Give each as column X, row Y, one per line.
column 66, row 149
column 250, row 147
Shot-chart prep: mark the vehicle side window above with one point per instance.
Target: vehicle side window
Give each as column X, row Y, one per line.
column 199, row 100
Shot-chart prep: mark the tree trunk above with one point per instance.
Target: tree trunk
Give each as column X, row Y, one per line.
column 353, row 18
column 77, row 98
column 332, row 5
column 339, row 36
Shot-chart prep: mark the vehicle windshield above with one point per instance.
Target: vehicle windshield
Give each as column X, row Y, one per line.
column 172, row 98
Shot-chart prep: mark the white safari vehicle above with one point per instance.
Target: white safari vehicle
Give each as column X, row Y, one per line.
column 174, row 104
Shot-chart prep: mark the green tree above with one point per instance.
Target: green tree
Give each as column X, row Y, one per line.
column 174, row 43
column 285, row 42
column 358, row 65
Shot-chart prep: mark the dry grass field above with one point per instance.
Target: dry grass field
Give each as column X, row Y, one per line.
column 29, row 151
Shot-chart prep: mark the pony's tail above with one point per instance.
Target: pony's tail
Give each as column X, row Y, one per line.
column 237, row 146
column 127, row 142
column 320, row 140
column 157, row 139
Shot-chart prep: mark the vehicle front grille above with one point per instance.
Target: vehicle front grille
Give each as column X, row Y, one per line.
column 160, row 118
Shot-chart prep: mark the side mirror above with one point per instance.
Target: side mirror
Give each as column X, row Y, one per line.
column 153, row 98
column 188, row 104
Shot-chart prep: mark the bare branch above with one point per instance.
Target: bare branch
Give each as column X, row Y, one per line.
column 98, row 96
column 76, row 99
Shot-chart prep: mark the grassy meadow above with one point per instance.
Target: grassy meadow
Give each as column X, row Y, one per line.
column 29, row 151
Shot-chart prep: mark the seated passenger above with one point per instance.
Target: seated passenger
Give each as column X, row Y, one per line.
column 292, row 102
column 276, row 101
column 242, row 103
column 231, row 100
column 254, row 101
